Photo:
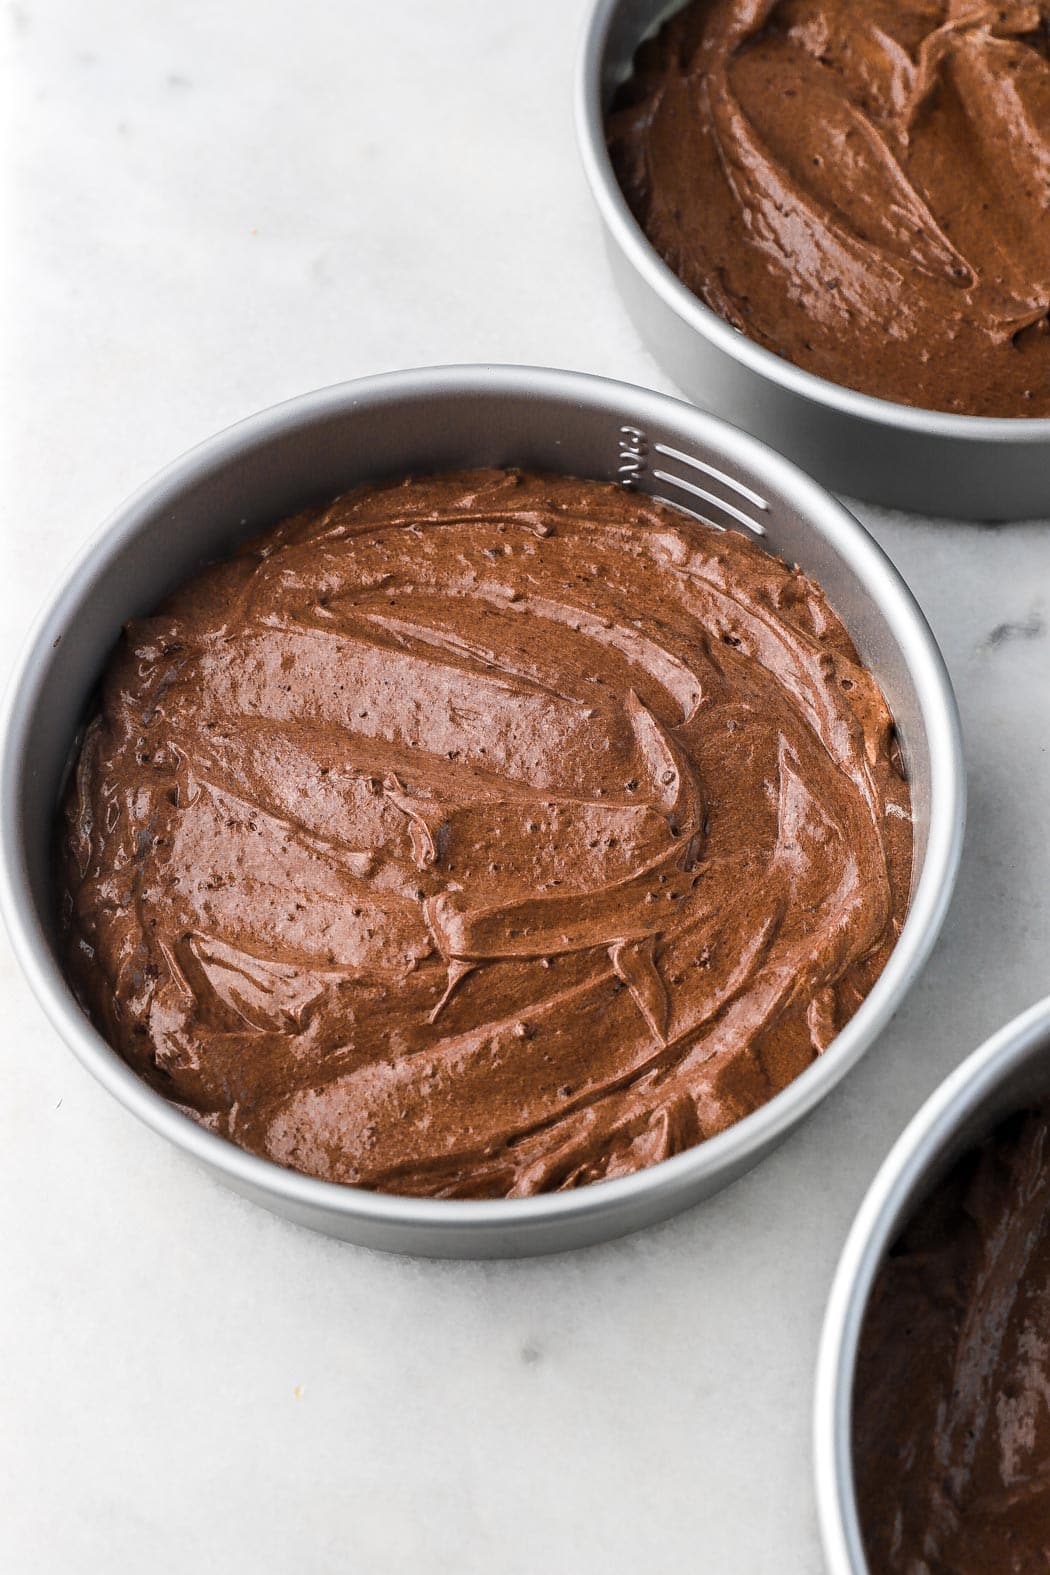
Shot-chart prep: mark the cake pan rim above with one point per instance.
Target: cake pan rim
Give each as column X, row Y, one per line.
column 745, row 1138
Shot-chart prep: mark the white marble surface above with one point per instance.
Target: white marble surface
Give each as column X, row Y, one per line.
column 211, row 205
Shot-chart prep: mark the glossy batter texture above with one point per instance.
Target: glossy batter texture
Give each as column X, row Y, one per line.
column 952, row 1396
column 483, row 834
column 862, row 186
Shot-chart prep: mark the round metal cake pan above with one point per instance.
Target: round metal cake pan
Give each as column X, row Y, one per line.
column 933, row 462
column 317, row 446
column 1009, row 1072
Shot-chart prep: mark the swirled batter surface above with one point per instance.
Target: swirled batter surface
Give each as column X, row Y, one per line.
column 862, row 186
column 483, row 834
column 952, row 1397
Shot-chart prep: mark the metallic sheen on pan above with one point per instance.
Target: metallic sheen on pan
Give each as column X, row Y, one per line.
column 1008, row 1072
column 969, row 467
column 316, row 446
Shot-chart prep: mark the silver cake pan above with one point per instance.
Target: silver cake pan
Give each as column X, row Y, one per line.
column 1009, row 1072
column 317, row 446
column 968, row 467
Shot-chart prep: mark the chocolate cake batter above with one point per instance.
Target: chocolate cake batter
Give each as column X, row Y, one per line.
column 483, row 834
column 862, row 186
column 952, row 1396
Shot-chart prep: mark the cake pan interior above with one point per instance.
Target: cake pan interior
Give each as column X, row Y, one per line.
column 932, row 462
column 309, row 451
